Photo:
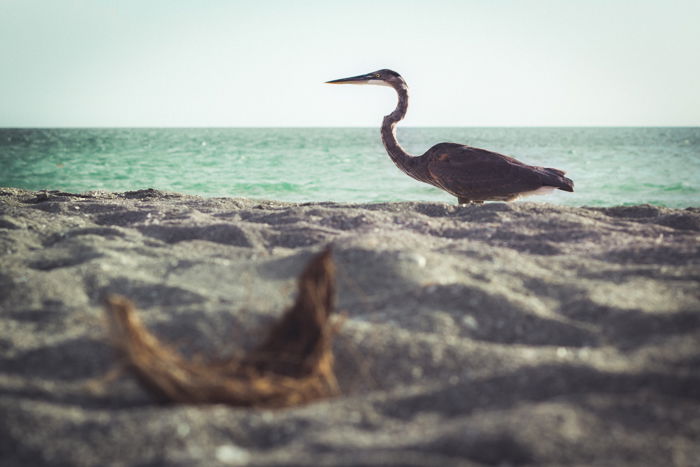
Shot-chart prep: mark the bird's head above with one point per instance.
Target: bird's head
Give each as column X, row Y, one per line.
column 378, row 78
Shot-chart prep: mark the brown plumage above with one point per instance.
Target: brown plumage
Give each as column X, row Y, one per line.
column 473, row 175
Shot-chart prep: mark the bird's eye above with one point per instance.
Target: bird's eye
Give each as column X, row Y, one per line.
column 376, row 75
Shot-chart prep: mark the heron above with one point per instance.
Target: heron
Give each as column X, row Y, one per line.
column 473, row 175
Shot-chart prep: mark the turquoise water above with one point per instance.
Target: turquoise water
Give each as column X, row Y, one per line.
column 610, row 166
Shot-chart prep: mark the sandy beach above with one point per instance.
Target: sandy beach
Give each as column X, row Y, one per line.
column 500, row 334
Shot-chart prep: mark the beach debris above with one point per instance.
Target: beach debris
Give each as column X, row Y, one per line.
column 293, row 365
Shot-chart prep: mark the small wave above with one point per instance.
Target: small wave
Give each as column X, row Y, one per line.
column 267, row 186
column 680, row 187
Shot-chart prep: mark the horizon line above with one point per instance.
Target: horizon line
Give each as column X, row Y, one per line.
column 192, row 127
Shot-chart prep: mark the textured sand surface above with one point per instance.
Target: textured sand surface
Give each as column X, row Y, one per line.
column 498, row 334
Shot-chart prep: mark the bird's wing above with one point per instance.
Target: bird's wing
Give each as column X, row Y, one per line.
column 479, row 174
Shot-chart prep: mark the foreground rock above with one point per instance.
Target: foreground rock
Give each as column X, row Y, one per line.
column 496, row 334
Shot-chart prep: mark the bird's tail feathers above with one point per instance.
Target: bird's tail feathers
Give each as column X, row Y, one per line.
column 566, row 184
column 558, row 179
column 561, row 173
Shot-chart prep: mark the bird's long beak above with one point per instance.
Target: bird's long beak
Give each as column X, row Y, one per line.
column 359, row 79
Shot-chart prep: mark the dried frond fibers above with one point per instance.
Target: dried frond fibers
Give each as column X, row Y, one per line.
column 293, row 365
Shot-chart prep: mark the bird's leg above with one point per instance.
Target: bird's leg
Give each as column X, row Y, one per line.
column 463, row 201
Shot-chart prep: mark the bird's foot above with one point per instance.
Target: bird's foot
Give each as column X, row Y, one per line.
column 464, row 201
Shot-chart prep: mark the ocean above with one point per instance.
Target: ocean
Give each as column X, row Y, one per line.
column 610, row 166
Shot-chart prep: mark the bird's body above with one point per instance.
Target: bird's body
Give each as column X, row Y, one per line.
column 473, row 175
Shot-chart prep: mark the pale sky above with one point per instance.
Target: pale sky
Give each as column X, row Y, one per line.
column 263, row 63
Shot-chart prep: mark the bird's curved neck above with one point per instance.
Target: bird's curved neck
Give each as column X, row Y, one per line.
column 398, row 155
